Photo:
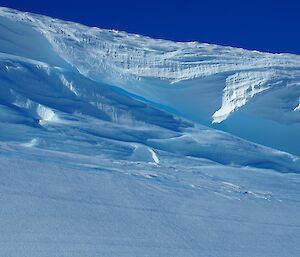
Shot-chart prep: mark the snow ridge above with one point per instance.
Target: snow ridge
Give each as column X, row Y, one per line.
column 122, row 59
column 78, row 65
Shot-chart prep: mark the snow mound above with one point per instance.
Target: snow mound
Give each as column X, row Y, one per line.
column 33, row 142
column 46, row 114
column 79, row 75
column 98, row 124
column 207, row 83
column 144, row 154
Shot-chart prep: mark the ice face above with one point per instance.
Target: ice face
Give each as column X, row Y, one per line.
column 69, row 81
column 100, row 156
column 203, row 82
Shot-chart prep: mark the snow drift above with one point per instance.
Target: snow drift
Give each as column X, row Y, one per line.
column 109, row 146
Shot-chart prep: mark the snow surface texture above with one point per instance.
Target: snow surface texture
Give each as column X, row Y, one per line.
column 95, row 159
column 206, row 83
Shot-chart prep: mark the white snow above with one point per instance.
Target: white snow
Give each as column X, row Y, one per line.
column 76, row 205
column 144, row 154
column 203, row 82
column 240, row 88
column 126, row 171
column 33, row 142
column 298, row 107
column 45, row 113
column 68, row 84
column 154, row 156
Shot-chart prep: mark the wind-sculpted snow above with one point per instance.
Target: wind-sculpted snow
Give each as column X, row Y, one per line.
column 73, row 205
column 44, row 90
column 203, row 82
column 99, row 155
column 118, row 57
column 59, row 105
column 240, row 87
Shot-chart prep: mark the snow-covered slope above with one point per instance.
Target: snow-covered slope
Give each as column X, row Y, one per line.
column 100, row 156
column 60, row 109
column 206, row 83
column 71, row 205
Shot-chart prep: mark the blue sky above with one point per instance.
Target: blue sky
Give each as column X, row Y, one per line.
column 266, row 25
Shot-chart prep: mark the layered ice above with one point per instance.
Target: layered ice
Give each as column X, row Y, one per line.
column 107, row 146
column 203, row 82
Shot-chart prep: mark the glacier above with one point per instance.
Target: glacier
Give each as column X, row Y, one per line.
column 115, row 144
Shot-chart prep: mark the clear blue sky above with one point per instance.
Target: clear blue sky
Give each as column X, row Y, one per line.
column 267, row 25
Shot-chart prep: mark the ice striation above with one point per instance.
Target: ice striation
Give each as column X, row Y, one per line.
column 120, row 58
column 107, row 147
column 240, row 88
column 220, row 83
